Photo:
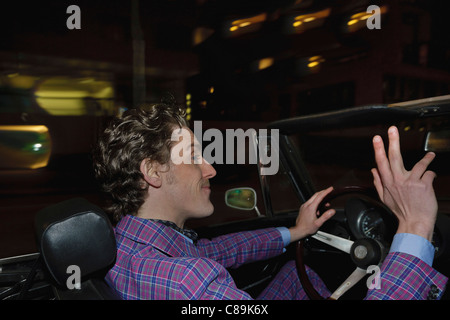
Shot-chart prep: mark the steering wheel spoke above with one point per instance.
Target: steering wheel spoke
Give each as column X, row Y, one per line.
column 364, row 252
column 336, row 242
column 353, row 279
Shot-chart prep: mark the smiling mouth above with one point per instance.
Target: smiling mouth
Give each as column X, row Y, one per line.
column 206, row 184
column 206, row 187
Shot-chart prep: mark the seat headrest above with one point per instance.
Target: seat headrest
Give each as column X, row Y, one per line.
column 75, row 232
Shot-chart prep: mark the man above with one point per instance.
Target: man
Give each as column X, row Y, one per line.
column 152, row 198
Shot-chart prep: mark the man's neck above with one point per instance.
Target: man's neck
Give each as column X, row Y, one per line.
column 158, row 212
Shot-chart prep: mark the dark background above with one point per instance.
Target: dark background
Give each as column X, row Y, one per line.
column 188, row 48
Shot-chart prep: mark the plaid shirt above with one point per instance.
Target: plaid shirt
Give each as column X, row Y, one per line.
column 406, row 277
column 155, row 262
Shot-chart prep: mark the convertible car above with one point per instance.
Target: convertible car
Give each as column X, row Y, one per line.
column 76, row 244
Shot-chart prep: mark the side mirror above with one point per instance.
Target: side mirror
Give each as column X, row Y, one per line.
column 241, row 198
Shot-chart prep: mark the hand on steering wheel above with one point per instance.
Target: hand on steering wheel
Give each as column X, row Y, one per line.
column 364, row 252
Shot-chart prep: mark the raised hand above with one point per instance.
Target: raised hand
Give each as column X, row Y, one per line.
column 409, row 194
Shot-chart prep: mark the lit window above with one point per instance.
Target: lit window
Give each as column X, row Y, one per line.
column 265, row 63
column 250, row 24
column 358, row 20
column 304, row 22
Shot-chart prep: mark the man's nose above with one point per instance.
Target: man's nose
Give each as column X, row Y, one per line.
column 208, row 170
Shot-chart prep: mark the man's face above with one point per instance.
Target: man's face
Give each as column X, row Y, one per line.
column 187, row 181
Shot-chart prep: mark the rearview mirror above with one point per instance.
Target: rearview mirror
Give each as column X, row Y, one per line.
column 241, row 198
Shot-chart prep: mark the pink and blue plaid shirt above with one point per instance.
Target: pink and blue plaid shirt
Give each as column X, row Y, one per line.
column 156, row 262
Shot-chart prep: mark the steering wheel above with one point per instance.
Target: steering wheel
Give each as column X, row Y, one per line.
column 363, row 252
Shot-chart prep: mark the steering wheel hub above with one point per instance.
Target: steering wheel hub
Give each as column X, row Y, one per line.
column 360, row 252
column 366, row 252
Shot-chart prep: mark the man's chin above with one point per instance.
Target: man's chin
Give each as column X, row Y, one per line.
column 209, row 211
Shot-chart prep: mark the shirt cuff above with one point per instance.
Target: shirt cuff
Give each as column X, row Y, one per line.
column 414, row 245
column 286, row 235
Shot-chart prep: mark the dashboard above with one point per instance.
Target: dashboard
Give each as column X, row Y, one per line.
column 365, row 218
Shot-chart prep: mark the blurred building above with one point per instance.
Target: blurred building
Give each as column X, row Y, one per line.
column 228, row 59
column 59, row 86
column 264, row 60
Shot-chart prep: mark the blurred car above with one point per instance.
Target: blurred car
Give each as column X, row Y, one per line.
column 315, row 151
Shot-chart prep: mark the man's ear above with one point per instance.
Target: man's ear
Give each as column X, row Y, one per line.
column 151, row 172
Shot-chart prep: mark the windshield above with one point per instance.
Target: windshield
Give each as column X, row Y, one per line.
column 345, row 157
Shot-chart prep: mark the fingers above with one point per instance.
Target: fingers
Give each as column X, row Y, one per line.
column 428, row 177
column 308, row 221
column 388, row 168
column 317, row 198
column 324, row 217
column 419, row 169
column 384, row 168
column 395, row 155
column 377, row 182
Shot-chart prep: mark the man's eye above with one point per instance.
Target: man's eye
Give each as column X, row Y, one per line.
column 196, row 158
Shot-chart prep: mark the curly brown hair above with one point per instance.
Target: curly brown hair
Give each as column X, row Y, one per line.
column 141, row 133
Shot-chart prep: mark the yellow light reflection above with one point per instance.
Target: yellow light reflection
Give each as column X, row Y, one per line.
column 310, row 20
column 313, row 16
column 200, row 34
column 315, row 58
column 247, row 21
column 19, row 81
column 242, row 23
column 313, row 64
column 314, row 61
column 364, row 15
column 24, row 146
column 358, row 20
column 76, row 96
column 265, row 63
column 31, row 128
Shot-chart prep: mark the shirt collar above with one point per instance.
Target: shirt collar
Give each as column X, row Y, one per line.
column 189, row 233
column 156, row 234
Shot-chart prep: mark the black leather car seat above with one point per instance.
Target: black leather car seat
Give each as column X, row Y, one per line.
column 76, row 235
